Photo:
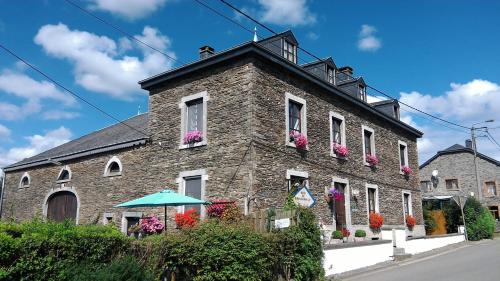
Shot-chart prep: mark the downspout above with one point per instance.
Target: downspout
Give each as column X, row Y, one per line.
column 2, row 177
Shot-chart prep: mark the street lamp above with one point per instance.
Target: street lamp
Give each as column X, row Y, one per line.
column 474, row 147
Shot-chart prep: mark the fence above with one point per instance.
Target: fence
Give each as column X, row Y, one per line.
column 268, row 219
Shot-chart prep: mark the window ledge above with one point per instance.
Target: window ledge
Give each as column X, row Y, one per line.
column 111, row 175
column 333, row 155
column 291, row 144
column 187, row 146
column 62, row 181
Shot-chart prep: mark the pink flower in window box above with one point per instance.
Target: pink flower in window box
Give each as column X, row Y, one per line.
column 299, row 139
column 406, row 170
column 340, row 150
column 372, row 159
column 192, row 137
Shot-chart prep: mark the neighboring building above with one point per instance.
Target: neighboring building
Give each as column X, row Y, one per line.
column 456, row 175
column 245, row 101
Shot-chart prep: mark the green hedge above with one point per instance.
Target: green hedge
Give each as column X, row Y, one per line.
column 213, row 250
column 479, row 222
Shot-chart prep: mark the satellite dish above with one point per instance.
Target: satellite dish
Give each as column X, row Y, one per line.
column 435, row 173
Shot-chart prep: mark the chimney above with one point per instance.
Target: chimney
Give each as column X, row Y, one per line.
column 468, row 144
column 347, row 70
column 206, row 51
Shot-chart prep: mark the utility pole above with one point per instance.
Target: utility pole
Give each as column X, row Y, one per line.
column 474, row 147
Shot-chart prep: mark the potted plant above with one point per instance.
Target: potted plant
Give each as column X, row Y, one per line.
column 336, row 237
column 193, row 137
column 340, row 150
column 376, row 222
column 411, row 221
column 345, row 234
column 359, row 235
column 372, row 160
column 135, row 231
column 299, row 139
column 152, row 225
column 406, row 170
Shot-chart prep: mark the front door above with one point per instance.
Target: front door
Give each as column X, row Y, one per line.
column 340, row 215
column 61, row 206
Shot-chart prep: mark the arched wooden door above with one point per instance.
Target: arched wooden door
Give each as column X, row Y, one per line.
column 62, row 205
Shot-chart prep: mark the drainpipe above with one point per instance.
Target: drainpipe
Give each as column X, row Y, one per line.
column 2, row 178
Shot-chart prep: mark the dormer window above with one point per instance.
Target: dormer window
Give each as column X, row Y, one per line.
column 289, row 51
column 396, row 112
column 362, row 92
column 331, row 75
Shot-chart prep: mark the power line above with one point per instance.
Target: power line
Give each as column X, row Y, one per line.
column 122, row 31
column 492, row 139
column 316, row 57
column 12, row 53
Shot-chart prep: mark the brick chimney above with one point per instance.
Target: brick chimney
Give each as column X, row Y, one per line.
column 468, row 144
column 206, row 51
column 347, row 70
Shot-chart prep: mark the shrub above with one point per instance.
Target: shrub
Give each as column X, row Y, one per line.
column 187, row 219
column 360, row 233
column 232, row 213
column 430, row 223
column 216, row 209
column 453, row 217
column 152, row 225
column 123, row 269
column 337, row 234
column 376, row 221
column 411, row 221
column 345, row 232
column 480, row 224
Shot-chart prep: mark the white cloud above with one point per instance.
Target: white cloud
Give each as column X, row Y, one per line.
column 59, row 114
column 313, row 36
column 98, row 66
column 129, row 9
column 367, row 39
column 4, row 132
column 37, row 144
column 464, row 104
column 286, row 12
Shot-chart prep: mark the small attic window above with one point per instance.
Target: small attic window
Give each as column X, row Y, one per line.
column 396, row 112
column 330, row 75
column 113, row 167
column 290, row 51
column 25, row 181
column 64, row 175
column 362, row 92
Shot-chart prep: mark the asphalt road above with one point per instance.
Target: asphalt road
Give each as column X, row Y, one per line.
column 476, row 262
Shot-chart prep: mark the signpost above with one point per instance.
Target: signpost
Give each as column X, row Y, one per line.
column 303, row 197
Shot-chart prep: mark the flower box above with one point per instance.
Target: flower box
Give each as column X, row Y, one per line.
column 406, row 170
column 340, row 151
column 193, row 137
column 372, row 160
column 299, row 139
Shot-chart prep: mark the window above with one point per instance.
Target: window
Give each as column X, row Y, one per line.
column 337, row 128
column 296, row 180
column 407, row 210
column 113, row 167
column 425, row 186
column 194, row 118
column 25, row 181
column 64, row 175
column 331, row 75
column 451, row 184
column 290, row 51
column 192, row 183
column 372, row 198
column 368, row 142
column 130, row 219
column 491, row 188
column 403, row 155
column 295, row 110
column 396, row 112
column 107, row 218
column 362, row 92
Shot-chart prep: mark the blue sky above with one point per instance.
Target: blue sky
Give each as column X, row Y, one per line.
column 439, row 56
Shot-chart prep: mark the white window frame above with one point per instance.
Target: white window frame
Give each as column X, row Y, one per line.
column 126, row 215
column 295, row 173
column 21, row 180
column 66, row 167
column 183, row 106
column 347, row 204
column 106, row 218
column 377, row 207
column 303, row 118
column 107, row 172
column 342, row 131
column 334, row 82
column 405, row 156
column 181, row 182
column 410, row 205
column 286, row 51
column 372, row 142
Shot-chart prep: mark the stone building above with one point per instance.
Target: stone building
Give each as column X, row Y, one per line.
column 455, row 175
column 243, row 103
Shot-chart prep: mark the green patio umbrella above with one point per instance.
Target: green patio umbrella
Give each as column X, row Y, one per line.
column 165, row 198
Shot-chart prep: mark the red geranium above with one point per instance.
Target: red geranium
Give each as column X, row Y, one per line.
column 187, row 219
column 376, row 221
column 411, row 221
column 345, row 232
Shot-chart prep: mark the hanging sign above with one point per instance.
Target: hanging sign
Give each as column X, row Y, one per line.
column 303, row 197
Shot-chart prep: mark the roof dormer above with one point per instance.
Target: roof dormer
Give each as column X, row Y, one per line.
column 388, row 107
column 354, row 86
column 283, row 44
column 324, row 69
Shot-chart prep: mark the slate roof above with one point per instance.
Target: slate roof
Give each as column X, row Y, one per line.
column 457, row 148
column 110, row 138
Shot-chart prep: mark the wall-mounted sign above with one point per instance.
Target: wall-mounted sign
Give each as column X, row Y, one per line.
column 282, row 223
column 303, row 197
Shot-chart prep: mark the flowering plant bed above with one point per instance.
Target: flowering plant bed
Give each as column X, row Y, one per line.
column 411, row 221
column 406, row 170
column 152, row 225
column 376, row 221
column 187, row 219
column 193, row 137
column 299, row 139
column 372, row 160
column 340, row 150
